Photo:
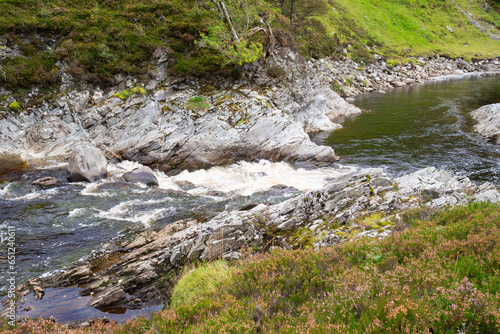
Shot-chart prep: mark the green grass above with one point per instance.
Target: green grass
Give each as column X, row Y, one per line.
column 205, row 280
column 409, row 28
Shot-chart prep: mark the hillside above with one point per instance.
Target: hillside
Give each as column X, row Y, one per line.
column 96, row 41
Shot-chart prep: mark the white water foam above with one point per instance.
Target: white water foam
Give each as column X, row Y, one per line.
column 246, row 178
column 77, row 213
column 91, row 189
column 131, row 211
column 46, row 193
column 4, row 193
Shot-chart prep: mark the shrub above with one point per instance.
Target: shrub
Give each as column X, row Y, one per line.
column 124, row 94
column 138, row 90
column 15, row 106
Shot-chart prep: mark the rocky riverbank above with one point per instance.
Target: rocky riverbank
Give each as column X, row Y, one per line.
column 268, row 114
column 365, row 203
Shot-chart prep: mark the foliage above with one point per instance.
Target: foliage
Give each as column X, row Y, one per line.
column 230, row 36
column 276, row 72
column 15, row 106
column 98, row 40
column 125, row 94
column 138, row 90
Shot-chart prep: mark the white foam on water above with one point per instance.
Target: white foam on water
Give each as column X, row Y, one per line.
column 45, row 193
column 134, row 211
column 4, row 193
column 246, row 178
column 91, row 189
column 123, row 167
column 77, row 213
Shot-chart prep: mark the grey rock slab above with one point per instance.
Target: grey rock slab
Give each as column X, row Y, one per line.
column 488, row 118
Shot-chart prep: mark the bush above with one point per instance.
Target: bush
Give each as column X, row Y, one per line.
column 15, row 106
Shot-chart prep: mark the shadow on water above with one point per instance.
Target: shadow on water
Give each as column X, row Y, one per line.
column 419, row 126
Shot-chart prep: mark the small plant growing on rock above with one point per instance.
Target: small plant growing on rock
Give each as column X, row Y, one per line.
column 15, row 106
column 123, row 95
column 197, row 104
column 138, row 90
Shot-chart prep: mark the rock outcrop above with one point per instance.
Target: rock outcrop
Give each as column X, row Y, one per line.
column 87, row 163
column 317, row 219
column 141, row 174
column 158, row 128
column 489, row 122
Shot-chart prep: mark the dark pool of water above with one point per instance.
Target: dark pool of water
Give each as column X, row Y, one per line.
column 420, row 126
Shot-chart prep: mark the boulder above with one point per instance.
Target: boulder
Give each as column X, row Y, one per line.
column 87, row 163
column 141, row 174
column 489, row 122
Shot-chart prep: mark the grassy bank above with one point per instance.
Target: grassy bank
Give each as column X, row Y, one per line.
column 98, row 40
column 435, row 275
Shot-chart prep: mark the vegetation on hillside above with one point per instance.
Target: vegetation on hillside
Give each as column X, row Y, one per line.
column 100, row 39
column 434, row 275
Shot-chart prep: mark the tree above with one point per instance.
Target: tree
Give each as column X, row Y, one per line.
column 238, row 21
column 298, row 11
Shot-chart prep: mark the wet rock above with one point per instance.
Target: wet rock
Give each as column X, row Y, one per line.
column 46, row 182
column 489, row 122
column 142, row 174
column 87, row 163
column 111, row 297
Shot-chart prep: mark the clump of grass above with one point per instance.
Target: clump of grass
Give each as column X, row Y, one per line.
column 197, row 104
column 200, row 282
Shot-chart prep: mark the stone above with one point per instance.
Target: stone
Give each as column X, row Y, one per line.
column 141, row 174
column 110, row 297
column 87, row 163
column 46, row 182
column 488, row 118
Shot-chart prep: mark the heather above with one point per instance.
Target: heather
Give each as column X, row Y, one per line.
column 437, row 273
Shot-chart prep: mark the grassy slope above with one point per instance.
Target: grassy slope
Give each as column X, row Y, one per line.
column 410, row 27
column 100, row 39
column 440, row 276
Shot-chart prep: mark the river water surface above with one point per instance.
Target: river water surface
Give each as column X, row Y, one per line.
column 419, row 126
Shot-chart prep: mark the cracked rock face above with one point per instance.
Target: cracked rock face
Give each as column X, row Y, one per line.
column 488, row 118
column 327, row 217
